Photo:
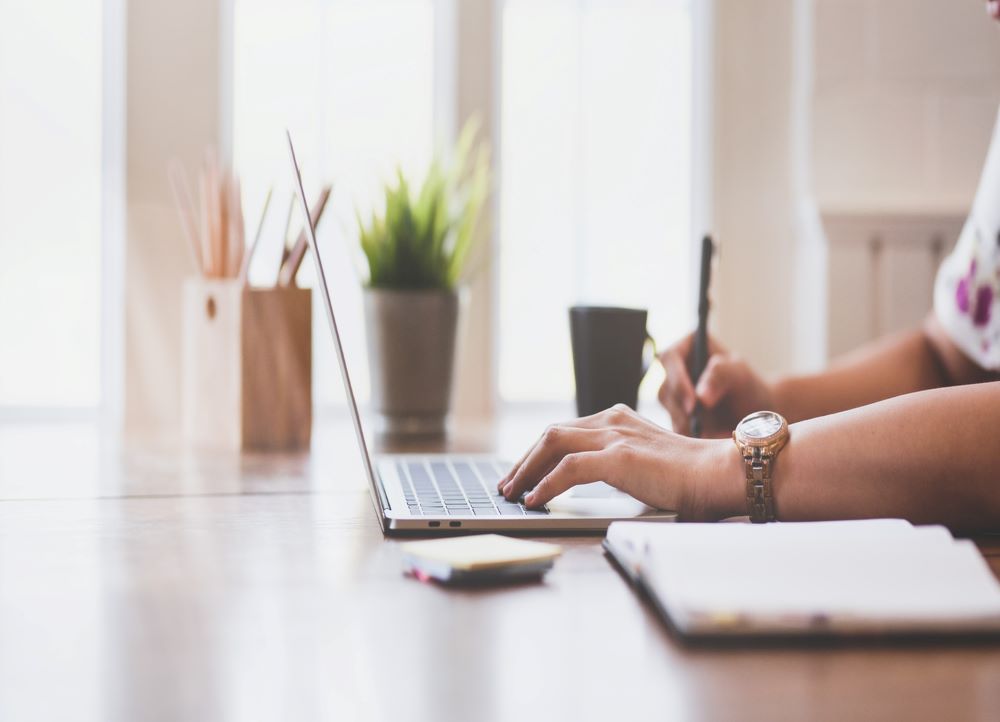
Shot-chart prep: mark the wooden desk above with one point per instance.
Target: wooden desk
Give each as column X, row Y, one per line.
column 157, row 585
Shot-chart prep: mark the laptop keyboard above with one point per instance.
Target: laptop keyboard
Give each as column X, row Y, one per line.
column 457, row 488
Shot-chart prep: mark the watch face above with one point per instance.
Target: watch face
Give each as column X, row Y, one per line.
column 760, row 425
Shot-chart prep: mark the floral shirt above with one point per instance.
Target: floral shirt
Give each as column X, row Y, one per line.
column 967, row 290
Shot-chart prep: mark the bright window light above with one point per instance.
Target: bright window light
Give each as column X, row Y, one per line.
column 354, row 82
column 50, row 203
column 596, row 177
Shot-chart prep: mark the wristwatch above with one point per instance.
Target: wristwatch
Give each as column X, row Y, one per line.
column 759, row 437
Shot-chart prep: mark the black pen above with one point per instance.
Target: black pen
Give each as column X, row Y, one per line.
column 699, row 352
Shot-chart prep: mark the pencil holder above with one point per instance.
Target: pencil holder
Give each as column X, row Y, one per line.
column 247, row 366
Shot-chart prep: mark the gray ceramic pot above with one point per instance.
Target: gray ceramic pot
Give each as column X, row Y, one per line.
column 411, row 355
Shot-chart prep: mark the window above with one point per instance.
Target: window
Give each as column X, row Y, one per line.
column 595, row 200
column 50, row 203
column 595, row 186
column 354, row 81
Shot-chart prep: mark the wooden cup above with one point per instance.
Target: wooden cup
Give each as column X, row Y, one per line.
column 247, row 366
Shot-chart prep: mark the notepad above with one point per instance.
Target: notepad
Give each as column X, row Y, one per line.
column 483, row 557
column 853, row 577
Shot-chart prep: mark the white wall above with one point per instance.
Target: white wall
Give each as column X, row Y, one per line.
column 903, row 105
column 754, row 195
column 905, row 97
column 863, row 106
column 172, row 110
column 476, row 84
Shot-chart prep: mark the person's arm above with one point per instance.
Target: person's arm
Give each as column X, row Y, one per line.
column 930, row 457
column 729, row 388
column 898, row 364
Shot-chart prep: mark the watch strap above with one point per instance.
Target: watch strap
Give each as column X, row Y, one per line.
column 760, row 502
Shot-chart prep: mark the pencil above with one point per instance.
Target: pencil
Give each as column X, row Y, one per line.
column 290, row 266
column 185, row 209
column 248, row 255
column 234, row 235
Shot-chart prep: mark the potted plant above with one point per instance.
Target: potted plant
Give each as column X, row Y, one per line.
column 417, row 248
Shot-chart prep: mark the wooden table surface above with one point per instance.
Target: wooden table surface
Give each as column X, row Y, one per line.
column 145, row 583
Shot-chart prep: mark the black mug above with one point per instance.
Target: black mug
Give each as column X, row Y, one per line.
column 608, row 346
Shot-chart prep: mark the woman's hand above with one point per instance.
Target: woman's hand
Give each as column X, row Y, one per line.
column 698, row 479
column 727, row 390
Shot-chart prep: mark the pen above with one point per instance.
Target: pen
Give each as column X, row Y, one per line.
column 699, row 352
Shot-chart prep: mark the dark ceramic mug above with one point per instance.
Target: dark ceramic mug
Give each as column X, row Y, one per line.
column 609, row 355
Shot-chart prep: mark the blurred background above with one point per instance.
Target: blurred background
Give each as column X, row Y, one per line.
column 832, row 147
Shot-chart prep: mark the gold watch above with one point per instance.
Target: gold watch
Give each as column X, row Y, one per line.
column 759, row 437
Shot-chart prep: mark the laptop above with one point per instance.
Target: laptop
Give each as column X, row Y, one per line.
column 449, row 493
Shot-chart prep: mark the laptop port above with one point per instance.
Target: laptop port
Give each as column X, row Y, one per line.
column 454, row 523
column 433, row 523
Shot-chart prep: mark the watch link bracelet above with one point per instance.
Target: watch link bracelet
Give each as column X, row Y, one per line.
column 759, row 437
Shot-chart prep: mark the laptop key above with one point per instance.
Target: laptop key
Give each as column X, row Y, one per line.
column 507, row 510
column 442, row 474
column 418, row 474
column 488, row 474
column 466, row 475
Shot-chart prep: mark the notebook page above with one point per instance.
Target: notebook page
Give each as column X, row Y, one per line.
column 881, row 572
column 632, row 539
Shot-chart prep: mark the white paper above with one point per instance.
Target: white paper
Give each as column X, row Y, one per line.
column 880, row 573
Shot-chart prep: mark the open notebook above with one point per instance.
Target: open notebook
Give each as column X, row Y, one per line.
column 879, row 576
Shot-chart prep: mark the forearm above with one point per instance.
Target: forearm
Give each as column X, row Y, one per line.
column 899, row 364
column 930, row 457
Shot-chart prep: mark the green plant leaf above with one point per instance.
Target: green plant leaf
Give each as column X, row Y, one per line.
column 423, row 240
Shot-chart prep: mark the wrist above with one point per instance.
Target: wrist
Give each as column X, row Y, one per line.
column 719, row 482
column 779, row 392
column 785, row 398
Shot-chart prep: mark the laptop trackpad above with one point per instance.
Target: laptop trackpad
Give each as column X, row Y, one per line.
column 595, row 490
column 597, row 499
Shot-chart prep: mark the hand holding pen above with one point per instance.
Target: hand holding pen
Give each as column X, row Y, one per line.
column 727, row 390
column 707, row 389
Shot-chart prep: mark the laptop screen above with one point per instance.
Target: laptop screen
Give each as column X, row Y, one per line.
column 340, row 335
